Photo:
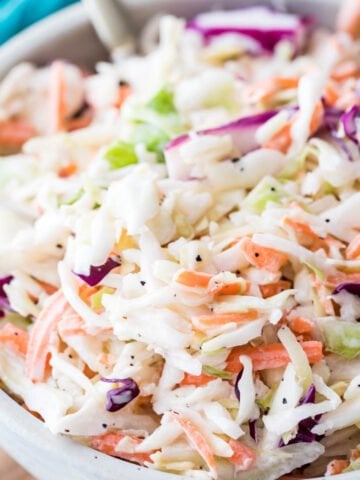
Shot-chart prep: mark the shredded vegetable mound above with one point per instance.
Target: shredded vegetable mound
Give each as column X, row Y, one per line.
column 180, row 247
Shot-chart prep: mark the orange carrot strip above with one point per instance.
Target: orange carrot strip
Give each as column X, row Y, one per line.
column 57, row 97
column 123, row 92
column 301, row 325
column 197, row 441
column 304, row 234
column 72, row 324
column 330, row 94
column 317, row 118
column 108, row 444
column 348, row 19
column 353, row 249
column 39, row 342
column 282, row 139
column 225, row 289
column 215, row 320
column 193, row 279
column 345, row 70
column 196, row 380
column 262, row 257
column 244, row 457
column 341, row 277
column 86, row 292
column 47, row 287
column 264, row 90
column 271, row 356
column 14, row 133
column 336, row 466
column 271, row 289
column 190, row 278
column 15, row 338
column 67, row 170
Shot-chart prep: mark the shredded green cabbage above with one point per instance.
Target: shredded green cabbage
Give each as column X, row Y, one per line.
column 342, row 338
column 120, row 154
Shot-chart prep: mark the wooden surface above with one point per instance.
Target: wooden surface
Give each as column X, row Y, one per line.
column 9, row 470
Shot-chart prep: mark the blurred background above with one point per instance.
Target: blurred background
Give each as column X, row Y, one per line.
column 15, row 15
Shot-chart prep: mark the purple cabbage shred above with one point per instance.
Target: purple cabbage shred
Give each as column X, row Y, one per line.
column 4, row 301
column 349, row 120
column 304, row 433
column 118, row 398
column 350, row 287
column 98, row 273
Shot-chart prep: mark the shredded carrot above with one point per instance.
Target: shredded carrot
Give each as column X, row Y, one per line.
column 244, row 457
column 86, row 292
column 72, row 324
column 282, row 139
column 223, row 289
column 108, row 444
column 15, row 338
column 341, row 277
column 197, row 441
column 303, row 232
column 348, row 99
column 264, row 90
column 271, row 356
column 196, row 380
column 336, row 466
column 330, row 94
column 211, row 320
column 353, row 249
column 14, row 133
column 39, row 342
column 67, row 170
column 271, row 289
column 262, row 257
column 301, row 325
column 345, row 70
column 57, row 97
column 106, row 359
column 47, row 287
column 123, row 92
column 193, row 279
column 348, row 19
column 323, row 296
column 317, row 118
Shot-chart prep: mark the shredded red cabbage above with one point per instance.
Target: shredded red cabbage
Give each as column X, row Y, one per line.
column 252, row 430
column 304, row 433
column 236, row 385
column 350, row 287
column 4, row 301
column 242, row 131
column 267, row 34
column 332, row 118
column 98, row 273
column 118, row 398
column 349, row 119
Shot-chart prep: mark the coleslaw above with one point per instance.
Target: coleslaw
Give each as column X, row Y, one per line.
column 180, row 247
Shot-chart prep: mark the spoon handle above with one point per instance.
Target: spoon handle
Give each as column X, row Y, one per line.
column 109, row 22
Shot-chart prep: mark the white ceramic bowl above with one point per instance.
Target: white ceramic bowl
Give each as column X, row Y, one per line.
column 68, row 34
